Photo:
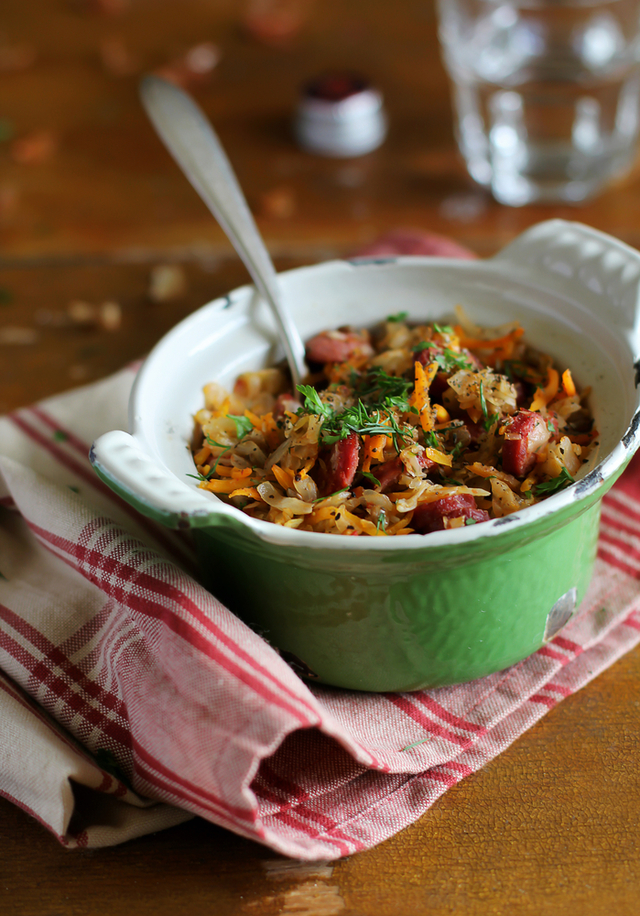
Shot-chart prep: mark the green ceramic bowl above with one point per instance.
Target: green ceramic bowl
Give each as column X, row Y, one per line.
column 396, row 614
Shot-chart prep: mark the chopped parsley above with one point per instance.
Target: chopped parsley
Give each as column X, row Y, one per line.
column 366, row 421
column 431, row 439
column 483, row 403
column 376, row 385
column 313, row 402
column 398, row 317
column 381, row 395
column 243, row 425
column 489, row 419
column 450, row 361
column 226, row 448
column 553, row 486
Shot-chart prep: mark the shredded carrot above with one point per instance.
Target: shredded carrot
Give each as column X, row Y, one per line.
column 340, row 373
column 237, row 473
column 420, row 397
column 284, row 476
column 528, row 482
column 247, row 491
column 584, row 438
column 442, row 414
column 542, row 396
column 267, row 425
column 498, row 343
column 321, row 515
column 220, row 486
column 264, row 423
column 568, row 383
column 223, row 410
column 256, row 421
column 201, row 456
column 439, row 457
column 373, row 450
column 402, row 526
column 450, row 341
column 362, row 524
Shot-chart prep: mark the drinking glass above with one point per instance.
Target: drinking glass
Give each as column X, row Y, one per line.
column 546, row 93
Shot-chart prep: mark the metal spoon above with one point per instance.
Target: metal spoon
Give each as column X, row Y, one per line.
column 194, row 145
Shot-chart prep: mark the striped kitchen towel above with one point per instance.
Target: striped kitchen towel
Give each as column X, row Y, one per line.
column 132, row 700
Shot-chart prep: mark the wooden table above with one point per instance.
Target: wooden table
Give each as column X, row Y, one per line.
column 549, row 826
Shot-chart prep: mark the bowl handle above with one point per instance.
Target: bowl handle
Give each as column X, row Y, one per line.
column 121, row 463
column 567, row 253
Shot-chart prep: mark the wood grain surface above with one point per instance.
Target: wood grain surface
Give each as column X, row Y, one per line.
column 551, row 826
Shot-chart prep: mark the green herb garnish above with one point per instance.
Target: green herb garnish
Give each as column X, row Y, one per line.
column 373, row 414
column 329, row 495
column 243, row 425
column 431, row 440
column 488, row 420
column 366, row 421
column 450, row 361
column 399, row 316
column 553, row 486
column 313, row 403
column 377, row 385
column 483, row 402
column 226, row 448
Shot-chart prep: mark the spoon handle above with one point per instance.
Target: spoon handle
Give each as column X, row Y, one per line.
column 193, row 143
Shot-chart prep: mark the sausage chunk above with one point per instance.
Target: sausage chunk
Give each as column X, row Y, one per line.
column 342, row 463
column 527, row 432
column 430, row 516
column 389, row 472
column 285, row 402
column 337, row 347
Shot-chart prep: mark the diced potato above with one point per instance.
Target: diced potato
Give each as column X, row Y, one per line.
column 250, row 385
column 562, row 454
